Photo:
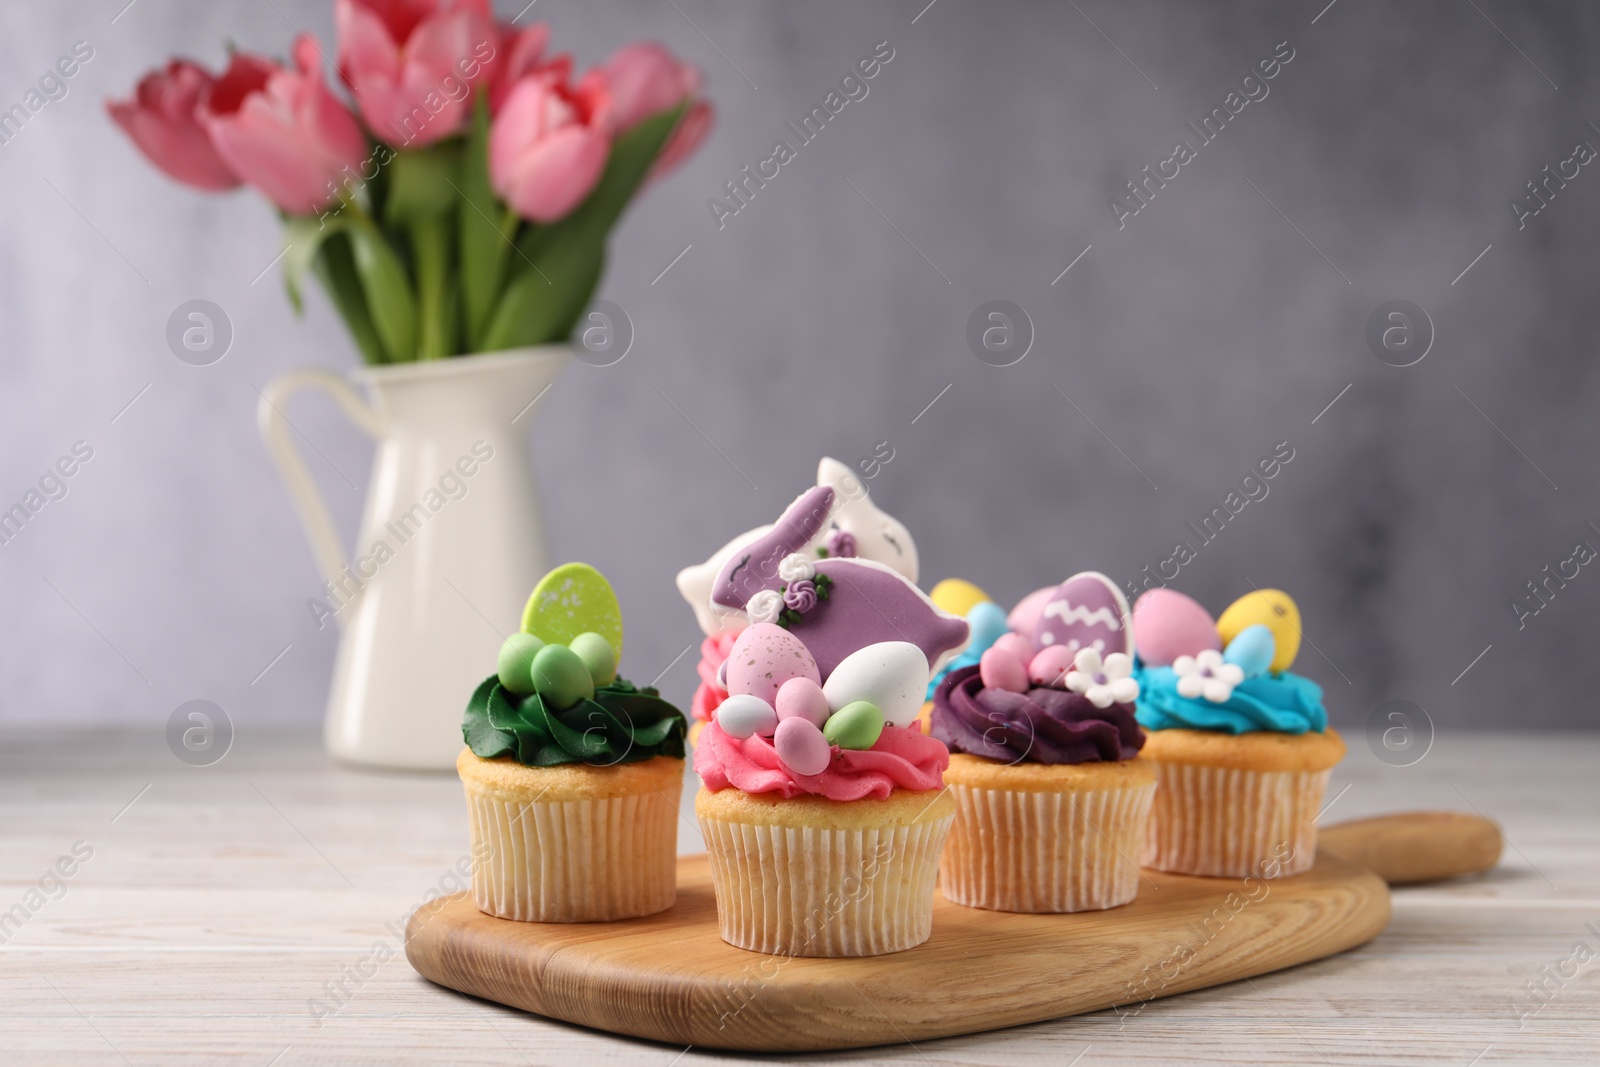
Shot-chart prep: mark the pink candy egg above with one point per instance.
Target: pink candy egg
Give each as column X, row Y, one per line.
column 803, row 699
column 1050, row 666
column 1017, row 644
column 801, row 746
column 1025, row 616
column 1000, row 669
column 1168, row 624
column 764, row 657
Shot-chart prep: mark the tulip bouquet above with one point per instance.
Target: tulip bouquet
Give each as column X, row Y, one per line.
column 461, row 202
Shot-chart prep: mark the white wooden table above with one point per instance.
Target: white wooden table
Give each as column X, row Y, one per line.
column 251, row 912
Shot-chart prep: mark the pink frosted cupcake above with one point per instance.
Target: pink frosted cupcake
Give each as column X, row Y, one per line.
column 824, row 808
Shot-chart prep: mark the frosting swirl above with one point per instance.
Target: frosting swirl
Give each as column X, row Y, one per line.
column 1284, row 703
column 903, row 758
column 1043, row 725
column 622, row 724
column 711, row 692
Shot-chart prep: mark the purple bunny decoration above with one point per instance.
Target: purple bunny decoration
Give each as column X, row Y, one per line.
column 867, row 602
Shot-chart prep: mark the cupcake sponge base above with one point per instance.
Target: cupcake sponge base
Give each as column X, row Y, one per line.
column 1045, row 839
column 815, row 877
column 1232, row 806
column 572, row 843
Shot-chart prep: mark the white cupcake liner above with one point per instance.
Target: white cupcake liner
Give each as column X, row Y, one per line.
column 1045, row 852
column 1227, row 823
column 806, row 891
column 572, row 861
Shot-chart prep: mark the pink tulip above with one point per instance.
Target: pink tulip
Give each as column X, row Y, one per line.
column 161, row 121
column 413, row 64
column 645, row 79
column 549, row 143
column 691, row 130
column 521, row 54
column 282, row 130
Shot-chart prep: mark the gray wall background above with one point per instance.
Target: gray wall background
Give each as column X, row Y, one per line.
column 1190, row 342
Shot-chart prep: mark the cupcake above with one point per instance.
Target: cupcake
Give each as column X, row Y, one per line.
column 572, row 774
column 1241, row 745
column 1051, row 795
column 823, row 807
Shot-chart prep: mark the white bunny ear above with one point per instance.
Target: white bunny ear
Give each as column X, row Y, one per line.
column 846, row 485
column 878, row 535
column 695, row 584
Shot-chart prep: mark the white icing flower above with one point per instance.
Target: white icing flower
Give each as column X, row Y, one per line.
column 795, row 567
column 1206, row 676
column 765, row 606
column 1104, row 681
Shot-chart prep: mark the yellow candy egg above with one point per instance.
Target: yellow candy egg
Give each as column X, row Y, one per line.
column 957, row 596
column 1272, row 608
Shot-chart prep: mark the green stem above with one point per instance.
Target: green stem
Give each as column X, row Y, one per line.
column 430, row 252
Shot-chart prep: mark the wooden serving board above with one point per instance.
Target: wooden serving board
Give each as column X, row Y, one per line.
column 670, row 977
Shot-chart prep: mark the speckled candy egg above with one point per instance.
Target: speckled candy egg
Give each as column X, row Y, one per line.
column 1050, row 665
column 891, row 674
column 743, row 715
column 801, row 746
column 803, row 698
column 1001, row 669
column 1251, row 650
column 1172, row 625
column 1272, row 608
column 1016, row 644
column 764, row 657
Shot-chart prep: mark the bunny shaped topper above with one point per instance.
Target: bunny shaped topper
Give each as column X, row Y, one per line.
column 866, row 602
column 872, row 534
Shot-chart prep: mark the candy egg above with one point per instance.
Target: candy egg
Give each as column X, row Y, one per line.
column 516, row 661
column 560, row 677
column 597, row 656
column 569, row 600
column 857, row 725
column 1172, row 625
column 891, row 674
column 1086, row 611
column 764, row 657
column 986, row 624
column 1025, row 615
column 1016, row 644
column 801, row 746
column 1050, row 666
column 743, row 715
column 1272, row 608
column 802, row 698
column 1000, row 669
column 957, row 596
column 1252, row 650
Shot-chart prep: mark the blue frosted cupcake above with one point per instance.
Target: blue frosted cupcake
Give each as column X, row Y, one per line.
column 1242, row 746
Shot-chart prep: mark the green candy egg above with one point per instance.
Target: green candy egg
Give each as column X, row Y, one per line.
column 560, row 677
column 597, row 656
column 516, row 663
column 856, row 725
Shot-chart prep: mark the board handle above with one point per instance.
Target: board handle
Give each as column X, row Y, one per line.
column 1416, row 846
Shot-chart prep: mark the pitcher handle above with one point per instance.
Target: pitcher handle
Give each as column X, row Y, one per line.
column 275, row 431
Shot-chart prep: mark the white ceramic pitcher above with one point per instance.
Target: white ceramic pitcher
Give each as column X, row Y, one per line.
column 450, row 543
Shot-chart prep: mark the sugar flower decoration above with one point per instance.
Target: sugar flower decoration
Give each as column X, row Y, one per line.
column 795, row 568
column 765, row 606
column 1206, row 675
column 1105, row 681
column 800, row 596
